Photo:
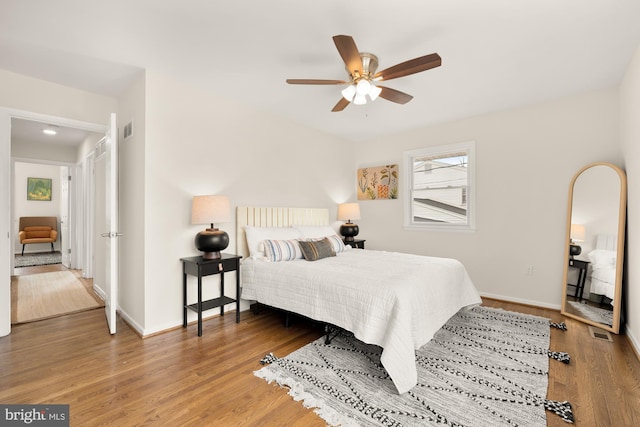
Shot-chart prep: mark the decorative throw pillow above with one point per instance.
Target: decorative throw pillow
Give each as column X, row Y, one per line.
column 282, row 250
column 313, row 251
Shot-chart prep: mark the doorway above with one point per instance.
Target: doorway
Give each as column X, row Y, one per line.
column 61, row 158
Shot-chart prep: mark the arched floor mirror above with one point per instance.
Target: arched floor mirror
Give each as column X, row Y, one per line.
column 594, row 248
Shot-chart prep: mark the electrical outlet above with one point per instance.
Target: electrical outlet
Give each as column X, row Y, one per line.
column 529, row 271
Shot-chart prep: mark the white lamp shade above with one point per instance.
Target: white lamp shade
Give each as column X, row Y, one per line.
column 348, row 211
column 577, row 232
column 210, row 209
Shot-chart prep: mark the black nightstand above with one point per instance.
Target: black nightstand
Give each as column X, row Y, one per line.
column 582, row 267
column 359, row 244
column 200, row 267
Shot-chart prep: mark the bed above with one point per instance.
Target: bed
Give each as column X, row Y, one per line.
column 603, row 267
column 394, row 300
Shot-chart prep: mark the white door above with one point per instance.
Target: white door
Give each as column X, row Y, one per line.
column 106, row 260
column 65, row 246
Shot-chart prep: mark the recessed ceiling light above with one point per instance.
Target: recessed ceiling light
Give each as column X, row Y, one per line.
column 50, row 130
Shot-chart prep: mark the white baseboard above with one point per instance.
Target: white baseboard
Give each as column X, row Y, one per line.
column 521, row 301
column 132, row 323
column 99, row 291
column 633, row 340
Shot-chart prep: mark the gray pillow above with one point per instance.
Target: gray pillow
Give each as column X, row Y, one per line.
column 313, row 251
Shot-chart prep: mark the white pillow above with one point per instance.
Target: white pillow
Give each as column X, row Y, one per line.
column 256, row 235
column 319, row 232
column 315, row 231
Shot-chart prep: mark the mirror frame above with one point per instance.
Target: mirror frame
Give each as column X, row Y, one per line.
column 615, row 328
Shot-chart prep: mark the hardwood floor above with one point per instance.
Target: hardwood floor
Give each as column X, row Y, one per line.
column 177, row 378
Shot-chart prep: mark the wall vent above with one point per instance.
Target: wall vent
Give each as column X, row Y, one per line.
column 600, row 334
column 128, row 130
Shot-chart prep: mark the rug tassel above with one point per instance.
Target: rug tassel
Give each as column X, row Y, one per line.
column 562, row 326
column 558, row 355
column 269, row 358
column 563, row 409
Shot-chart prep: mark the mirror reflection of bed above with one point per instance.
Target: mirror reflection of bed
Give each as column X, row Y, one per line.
column 594, row 246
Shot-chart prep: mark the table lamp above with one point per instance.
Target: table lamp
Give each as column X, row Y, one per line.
column 209, row 210
column 349, row 211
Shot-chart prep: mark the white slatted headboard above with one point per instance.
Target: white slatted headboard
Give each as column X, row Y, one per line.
column 607, row 242
column 275, row 217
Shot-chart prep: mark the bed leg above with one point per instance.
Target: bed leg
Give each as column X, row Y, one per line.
column 287, row 320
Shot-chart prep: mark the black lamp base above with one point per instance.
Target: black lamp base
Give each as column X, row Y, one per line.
column 211, row 241
column 574, row 250
column 349, row 231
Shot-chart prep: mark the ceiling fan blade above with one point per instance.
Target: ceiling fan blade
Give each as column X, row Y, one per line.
column 341, row 105
column 315, row 82
column 349, row 52
column 409, row 67
column 394, row 95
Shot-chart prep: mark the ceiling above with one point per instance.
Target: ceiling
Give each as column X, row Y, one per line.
column 32, row 132
column 496, row 54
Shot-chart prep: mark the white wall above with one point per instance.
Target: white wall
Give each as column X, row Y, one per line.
column 36, row 151
column 526, row 158
column 197, row 143
column 19, row 92
column 24, row 207
column 630, row 135
column 131, row 185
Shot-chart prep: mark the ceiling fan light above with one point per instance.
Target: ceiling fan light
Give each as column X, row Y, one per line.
column 363, row 87
column 359, row 99
column 349, row 92
column 374, row 92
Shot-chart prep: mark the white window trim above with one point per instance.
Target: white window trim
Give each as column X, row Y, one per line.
column 408, row 156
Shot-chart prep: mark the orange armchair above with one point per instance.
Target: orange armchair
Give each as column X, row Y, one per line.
column 38, row 229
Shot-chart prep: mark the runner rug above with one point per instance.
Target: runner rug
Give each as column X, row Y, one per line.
column 484, row 367
column 44, row 295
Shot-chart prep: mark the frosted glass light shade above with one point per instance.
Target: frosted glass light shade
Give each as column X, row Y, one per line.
column 349, row 92
column 359, row 99
column 374, row 92
column 363, row 87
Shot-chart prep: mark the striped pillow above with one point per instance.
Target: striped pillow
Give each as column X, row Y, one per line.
column 281, row 250
column 315, row 250
column 336, row 242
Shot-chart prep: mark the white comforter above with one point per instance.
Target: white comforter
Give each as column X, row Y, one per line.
column 397, row 301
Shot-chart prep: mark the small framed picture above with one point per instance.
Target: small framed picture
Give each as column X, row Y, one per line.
column 39, row 189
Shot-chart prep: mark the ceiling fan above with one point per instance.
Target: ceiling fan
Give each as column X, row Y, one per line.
column 363, row 78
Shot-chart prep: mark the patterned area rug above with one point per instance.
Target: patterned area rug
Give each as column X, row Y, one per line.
column 485, row 367
column 596, row 314
column 45, row 258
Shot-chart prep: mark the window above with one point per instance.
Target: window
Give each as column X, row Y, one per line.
column 440, row 183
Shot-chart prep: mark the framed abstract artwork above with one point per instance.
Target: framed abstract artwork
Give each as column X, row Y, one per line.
column 39, row 189
column 378, row 183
